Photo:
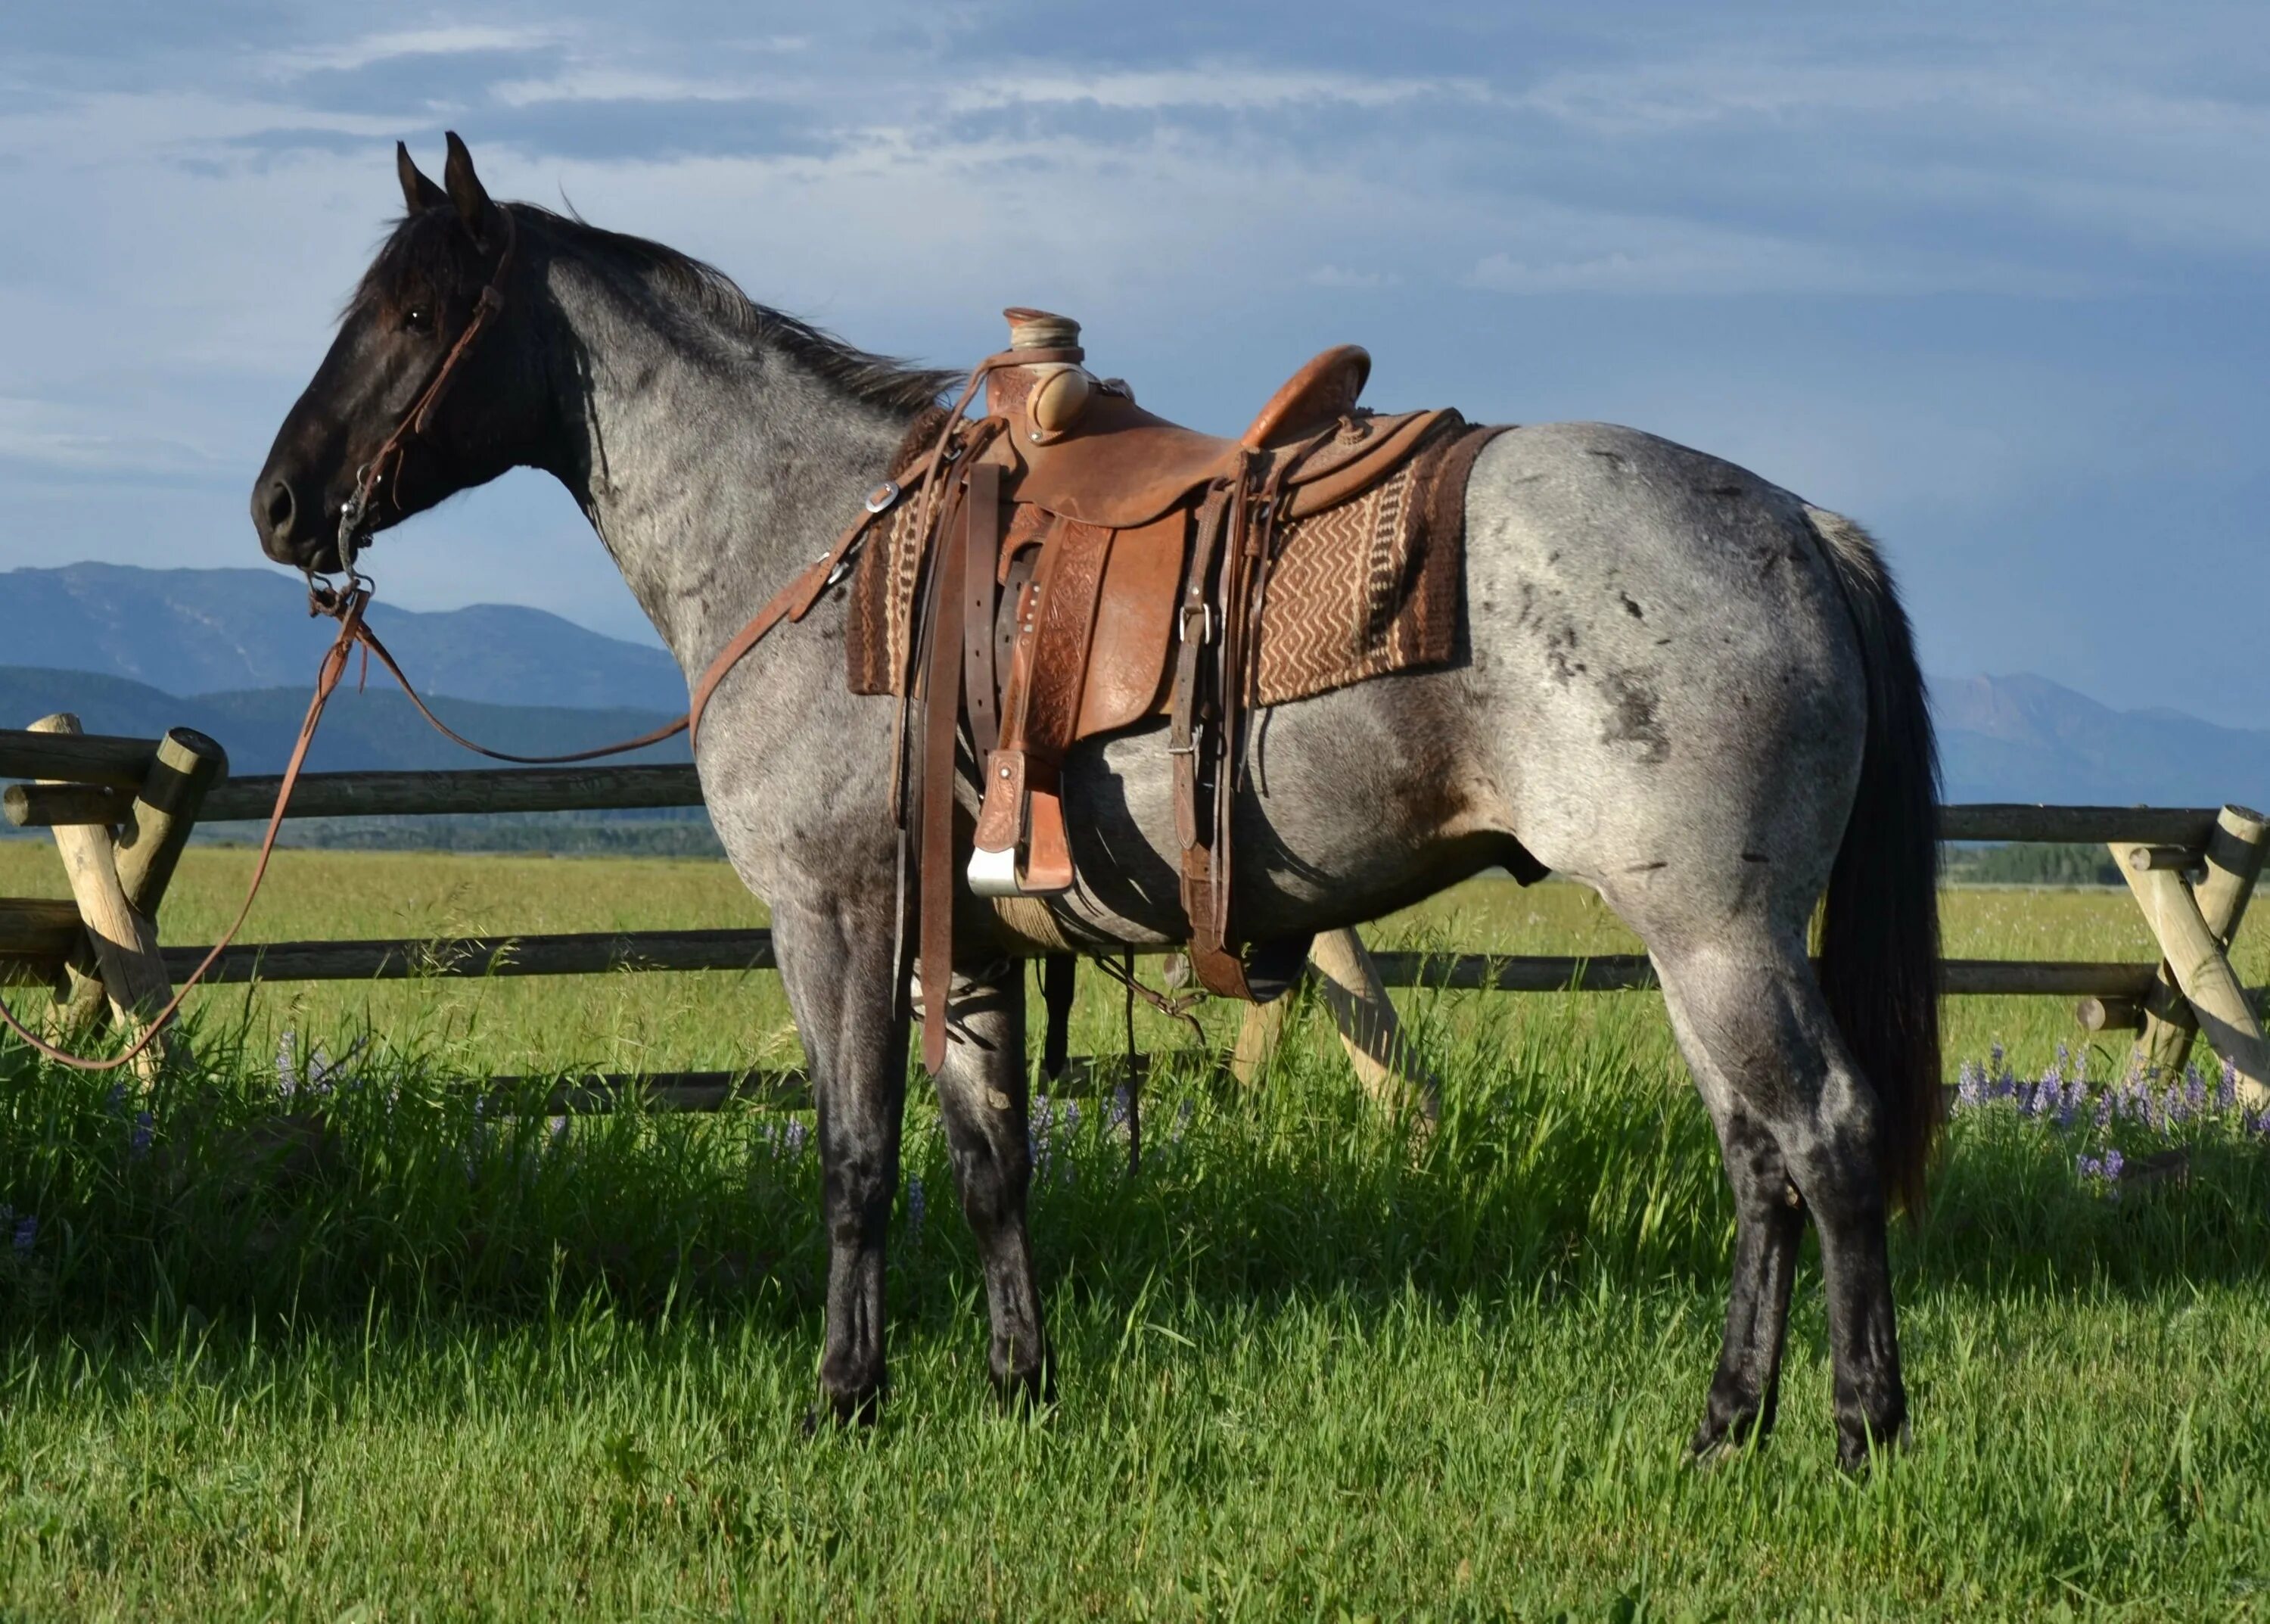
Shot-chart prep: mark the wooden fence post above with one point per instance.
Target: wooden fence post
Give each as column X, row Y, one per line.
column 125, row 943
column 152, row 832
column 1349, row 981
column 1390, row 1072
column 2195, row 986
column 1258, row 1036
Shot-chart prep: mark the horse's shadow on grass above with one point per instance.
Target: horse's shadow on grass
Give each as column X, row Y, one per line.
column 418, row 1202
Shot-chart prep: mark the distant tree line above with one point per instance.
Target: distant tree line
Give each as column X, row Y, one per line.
column 2028, row 863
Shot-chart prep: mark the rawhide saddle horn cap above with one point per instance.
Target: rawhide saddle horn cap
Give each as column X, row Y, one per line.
column 1041, row 329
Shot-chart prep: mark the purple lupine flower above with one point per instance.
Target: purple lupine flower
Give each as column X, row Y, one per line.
column 793, row 1137
column 1182, row 1121
column 2173, row 1109
column 2105, row 1104
column 138, row 1140
column 1970, row 1086
column 1115, row 1115
column 1071, row 1117
column 916, row 1207
column 27, row 1234
column 2113, row 1163
column 2226, row 1092
column 1039, row 1145
column 2195, row 1090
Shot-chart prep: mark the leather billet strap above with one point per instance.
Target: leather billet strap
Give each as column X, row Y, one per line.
column 1194, row 741
column 979, row 564
column 975, row 503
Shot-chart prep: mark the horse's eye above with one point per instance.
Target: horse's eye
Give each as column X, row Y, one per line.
column 418, row 318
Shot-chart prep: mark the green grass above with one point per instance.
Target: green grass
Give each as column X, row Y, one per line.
column 395, row 1357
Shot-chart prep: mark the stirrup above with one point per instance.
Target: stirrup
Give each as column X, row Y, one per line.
column 1036, row 861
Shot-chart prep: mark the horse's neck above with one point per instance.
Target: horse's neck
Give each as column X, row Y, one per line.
column 711, row 476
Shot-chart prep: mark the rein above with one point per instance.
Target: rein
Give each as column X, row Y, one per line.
column 346, row 603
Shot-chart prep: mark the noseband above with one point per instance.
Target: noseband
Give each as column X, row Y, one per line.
column 387, row 462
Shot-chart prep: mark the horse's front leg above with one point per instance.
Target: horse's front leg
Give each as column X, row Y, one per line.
column 834, row 961
column 982, row 1096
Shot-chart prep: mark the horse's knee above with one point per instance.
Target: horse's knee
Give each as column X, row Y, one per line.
column 859, row 1187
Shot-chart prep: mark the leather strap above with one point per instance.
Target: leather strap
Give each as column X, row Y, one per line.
column 1194, row 741
column 979, row 494
column 978, row 564
column 791, row 603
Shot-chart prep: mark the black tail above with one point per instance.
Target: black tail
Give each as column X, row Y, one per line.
column 1880, row 929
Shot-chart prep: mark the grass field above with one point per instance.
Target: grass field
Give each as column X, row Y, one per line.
column 392, row 1358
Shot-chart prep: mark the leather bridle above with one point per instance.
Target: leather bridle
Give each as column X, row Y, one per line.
column 386, row 461
column 345, row 601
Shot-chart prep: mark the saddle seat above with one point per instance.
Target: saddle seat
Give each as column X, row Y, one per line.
column 1121, row 466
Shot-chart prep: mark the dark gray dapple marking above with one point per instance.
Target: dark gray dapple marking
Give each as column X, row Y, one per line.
column 1679, row 684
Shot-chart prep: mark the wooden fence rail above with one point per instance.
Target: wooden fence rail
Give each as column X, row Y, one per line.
column 122, row 807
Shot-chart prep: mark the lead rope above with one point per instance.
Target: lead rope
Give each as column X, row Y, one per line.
column 345, row 604
column 1134, row 1084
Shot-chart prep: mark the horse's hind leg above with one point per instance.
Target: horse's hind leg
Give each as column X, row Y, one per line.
column 1794, row 1114
column 1768, row 1223
column 982, row 1096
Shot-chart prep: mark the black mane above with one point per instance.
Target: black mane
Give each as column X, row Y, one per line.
column 428, row 256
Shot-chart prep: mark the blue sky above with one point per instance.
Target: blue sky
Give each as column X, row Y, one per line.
column 1989, row 279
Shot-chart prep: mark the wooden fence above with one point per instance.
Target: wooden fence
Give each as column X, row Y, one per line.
column 120, row 810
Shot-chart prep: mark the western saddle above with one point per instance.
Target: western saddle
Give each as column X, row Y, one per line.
column 1079, row 564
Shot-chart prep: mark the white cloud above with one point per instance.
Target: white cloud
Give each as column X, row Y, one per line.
column 619, row 85
column 462, row 39
column 1222, row 87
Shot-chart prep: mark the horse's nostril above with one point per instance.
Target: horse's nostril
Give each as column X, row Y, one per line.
column 280, row 508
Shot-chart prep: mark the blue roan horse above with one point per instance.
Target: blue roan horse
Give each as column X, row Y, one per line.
column 1676, row 682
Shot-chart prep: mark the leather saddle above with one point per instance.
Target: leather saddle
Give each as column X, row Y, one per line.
column 1084, row 564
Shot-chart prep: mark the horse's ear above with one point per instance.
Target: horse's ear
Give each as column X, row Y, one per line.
column 418, row 194
column 465, row 189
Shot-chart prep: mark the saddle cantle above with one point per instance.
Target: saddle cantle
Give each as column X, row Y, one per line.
column 1075, row 564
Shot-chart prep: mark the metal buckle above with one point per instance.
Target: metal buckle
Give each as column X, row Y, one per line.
column 1205, row 615
column 1197, row 737
column 883, row 496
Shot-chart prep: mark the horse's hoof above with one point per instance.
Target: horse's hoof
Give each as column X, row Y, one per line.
column 1715, row 1442
column 843, row 1412
column 1027, row 1393
column 1859, row 1447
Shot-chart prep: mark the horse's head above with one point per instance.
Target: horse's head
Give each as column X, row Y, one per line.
column 426, row 392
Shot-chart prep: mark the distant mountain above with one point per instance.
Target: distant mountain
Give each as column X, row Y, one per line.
column 360, row 730
column 116, row 643
column 2025, row 738
column 209, row 631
